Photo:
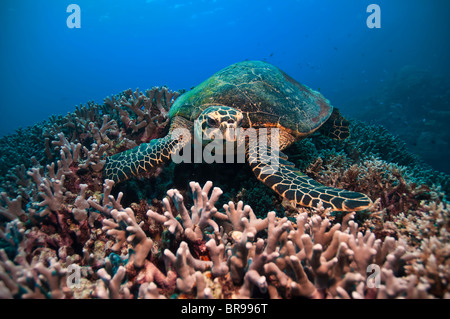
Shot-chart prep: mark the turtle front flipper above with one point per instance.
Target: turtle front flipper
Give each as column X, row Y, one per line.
column 336, row 127
column 142, row 158
column 298, row 188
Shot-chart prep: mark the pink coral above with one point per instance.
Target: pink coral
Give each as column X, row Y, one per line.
column 60, row 214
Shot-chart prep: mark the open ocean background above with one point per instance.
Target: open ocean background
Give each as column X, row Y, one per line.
column 48, row 68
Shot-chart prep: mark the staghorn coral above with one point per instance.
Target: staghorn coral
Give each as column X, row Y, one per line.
column 150, row 110
column 123, row 226
column 54, row 205
column 366, row 143
column 328, row 254
column 311, row 258
column 202, row 211
column 375, row 177
column 13, row 208
column 88, row 124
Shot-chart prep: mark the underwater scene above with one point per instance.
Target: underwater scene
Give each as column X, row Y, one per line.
column 224, row 149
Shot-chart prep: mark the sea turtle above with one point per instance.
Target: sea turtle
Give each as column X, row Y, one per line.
column 249, row 95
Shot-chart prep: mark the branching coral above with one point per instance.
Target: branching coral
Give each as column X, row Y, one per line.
column 150, row 110
column 57, row 215
column 13, row 208
column 313, row 257
column 124, row 227
column 377, row 178
column 192, row 225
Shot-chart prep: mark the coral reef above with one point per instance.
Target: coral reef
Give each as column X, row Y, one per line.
column 203, row 253
column 67, row 233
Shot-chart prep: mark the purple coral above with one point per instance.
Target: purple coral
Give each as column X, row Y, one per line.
column 58, row 214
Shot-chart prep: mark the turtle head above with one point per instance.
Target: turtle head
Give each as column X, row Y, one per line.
column 216, row 121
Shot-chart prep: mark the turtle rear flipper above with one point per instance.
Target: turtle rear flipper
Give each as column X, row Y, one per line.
column 295, row 186
column 146, row 156
column 336, row 127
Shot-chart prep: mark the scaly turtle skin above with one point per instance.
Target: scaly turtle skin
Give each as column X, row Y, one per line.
column 246, row 96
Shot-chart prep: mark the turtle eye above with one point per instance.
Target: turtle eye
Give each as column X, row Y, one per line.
column 211, row 121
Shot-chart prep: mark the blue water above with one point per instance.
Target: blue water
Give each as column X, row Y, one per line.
column 48, row 68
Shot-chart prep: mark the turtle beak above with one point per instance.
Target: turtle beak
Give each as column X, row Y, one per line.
column 229, row 130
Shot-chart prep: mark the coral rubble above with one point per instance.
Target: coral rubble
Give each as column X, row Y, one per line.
column 67, row 233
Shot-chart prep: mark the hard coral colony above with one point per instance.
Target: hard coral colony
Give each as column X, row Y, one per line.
column 68, row 233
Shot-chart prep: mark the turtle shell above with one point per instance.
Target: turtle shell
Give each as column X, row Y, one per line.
column 266, row 96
